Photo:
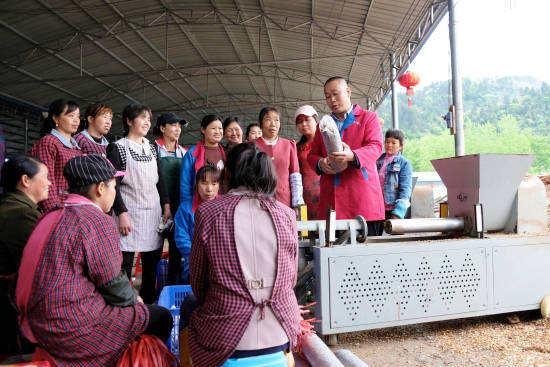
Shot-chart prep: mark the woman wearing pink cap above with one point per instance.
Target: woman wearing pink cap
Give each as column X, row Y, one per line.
column 306, row 119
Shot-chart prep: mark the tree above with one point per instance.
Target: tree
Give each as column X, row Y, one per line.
column 506, row 115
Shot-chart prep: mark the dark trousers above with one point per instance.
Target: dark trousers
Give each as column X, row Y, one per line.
column 160, row 322
column 375, row 228
column 174, row 262
column 8, row 319
column 187, row 307
column 149, row 262
column 11, row 340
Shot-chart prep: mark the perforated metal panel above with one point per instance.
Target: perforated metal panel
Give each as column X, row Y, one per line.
column 389, row 287
column 390, row 284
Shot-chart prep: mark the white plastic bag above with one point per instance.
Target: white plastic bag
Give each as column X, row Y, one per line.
column 333, row 142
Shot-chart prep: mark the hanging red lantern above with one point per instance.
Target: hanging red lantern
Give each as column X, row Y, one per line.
column 409, row 80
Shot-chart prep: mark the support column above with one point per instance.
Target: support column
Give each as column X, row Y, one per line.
column 394, row 107
column 456, row 78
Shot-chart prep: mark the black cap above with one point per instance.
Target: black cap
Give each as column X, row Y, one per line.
column 89, row 169
column 170, row 118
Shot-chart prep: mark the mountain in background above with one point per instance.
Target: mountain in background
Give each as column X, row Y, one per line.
column 504, row 115
column 485, row 101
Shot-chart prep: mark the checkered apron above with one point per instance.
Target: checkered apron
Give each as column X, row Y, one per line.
column 140, row 194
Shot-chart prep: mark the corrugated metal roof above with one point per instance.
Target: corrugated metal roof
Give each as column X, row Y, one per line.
column 229, row 57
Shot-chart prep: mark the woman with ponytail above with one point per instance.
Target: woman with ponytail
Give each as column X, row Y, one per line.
column 56, row 147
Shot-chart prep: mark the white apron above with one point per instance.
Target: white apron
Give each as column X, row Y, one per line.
column 141, row 197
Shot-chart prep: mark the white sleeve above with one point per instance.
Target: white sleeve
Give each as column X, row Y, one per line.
column 296, row 190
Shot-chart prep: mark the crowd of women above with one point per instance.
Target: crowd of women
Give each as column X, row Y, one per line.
column 230, row 239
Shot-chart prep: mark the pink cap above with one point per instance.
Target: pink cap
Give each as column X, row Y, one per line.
column 306, row 110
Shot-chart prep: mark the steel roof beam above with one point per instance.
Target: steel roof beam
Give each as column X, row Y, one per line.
column 153, row 48
column 273, row 51
column 405, row 54
column 64, row 60
column 40, row 79
column 297, row 20
column 196, row 45
column 122, row 62
column 359, row 41
column 259, row 52
column 244, row 71
column 99, row 45
column 272, row 62
column 234, row 44
column 281, row 102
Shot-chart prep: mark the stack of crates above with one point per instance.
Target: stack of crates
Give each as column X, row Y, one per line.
column 171, row 298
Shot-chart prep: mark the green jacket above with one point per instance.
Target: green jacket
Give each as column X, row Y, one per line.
column 18, row 217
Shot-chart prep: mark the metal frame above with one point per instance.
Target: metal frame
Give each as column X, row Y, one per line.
column 413, row 282
column 272, row 78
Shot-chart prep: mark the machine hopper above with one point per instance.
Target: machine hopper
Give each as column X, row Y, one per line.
column 489, row 179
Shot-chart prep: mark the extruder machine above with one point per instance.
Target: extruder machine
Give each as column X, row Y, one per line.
column 488, row 255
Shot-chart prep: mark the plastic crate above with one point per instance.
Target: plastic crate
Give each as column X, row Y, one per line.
column 171, row 298
column 162, row 273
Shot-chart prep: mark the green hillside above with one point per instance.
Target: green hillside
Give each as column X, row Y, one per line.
column 505, row 115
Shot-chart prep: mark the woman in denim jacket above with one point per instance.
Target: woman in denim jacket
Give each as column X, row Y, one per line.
column 395, row 173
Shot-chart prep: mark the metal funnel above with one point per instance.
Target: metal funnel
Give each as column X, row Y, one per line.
column 489, row 179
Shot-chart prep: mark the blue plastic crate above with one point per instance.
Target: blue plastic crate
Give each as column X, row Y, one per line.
column 171, row 298
column 162, row 273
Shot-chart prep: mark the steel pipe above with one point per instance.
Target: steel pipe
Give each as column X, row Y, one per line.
column 394, row 107
column 340, row 224
column 454, row 34
column 401, row 226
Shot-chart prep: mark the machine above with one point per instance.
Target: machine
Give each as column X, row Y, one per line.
column 472, row 263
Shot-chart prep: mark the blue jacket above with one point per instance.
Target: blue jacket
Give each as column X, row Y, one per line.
column 183, row 235
column 397, row 183
column 192, row 161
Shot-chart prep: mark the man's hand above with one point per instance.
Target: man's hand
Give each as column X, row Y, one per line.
column 344, row 156
column 324, row 164
column 124, row 225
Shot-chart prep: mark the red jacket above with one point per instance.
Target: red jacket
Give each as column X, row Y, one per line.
column 285, row 161
column 356, row 191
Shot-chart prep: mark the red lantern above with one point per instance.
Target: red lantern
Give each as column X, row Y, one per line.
column 409, row 80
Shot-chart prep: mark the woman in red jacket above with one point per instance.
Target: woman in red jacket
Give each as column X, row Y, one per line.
column 283, row 155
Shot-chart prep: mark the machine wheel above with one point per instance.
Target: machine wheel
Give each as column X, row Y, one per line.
column 362, row 235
